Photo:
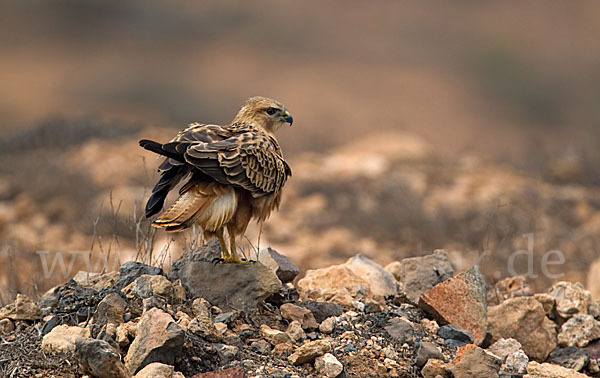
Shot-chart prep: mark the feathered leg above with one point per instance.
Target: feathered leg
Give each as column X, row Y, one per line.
column 233, row 257
column 224, row 253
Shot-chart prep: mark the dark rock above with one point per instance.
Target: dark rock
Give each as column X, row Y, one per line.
column 47, row 304
column 50, row 324
column 281, row 265
column 285, row 295
column 427, row 351
column 472, row 361
column 77, row 301
column 460, row 300
column 226, row 317
column 260, row 346
column 154, row 302
column 99, row 359
column 230, row 286
column 571, row 358
column 322, row 310
column 400, row 330
column 131, row 270
column 593, row 349
column 454, row 335
column 208, row 252
column 226, row 353
column 158, row 339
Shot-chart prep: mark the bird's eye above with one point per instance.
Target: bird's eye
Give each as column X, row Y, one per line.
column 271, row 111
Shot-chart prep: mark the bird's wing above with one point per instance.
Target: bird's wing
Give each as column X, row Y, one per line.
column 242, row 157
column 173, row 169
column 195, row 132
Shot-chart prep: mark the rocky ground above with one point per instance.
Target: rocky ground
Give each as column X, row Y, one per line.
column 388, row 197
column 414, row 318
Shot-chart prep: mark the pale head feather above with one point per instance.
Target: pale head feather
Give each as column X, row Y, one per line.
column 255, row 109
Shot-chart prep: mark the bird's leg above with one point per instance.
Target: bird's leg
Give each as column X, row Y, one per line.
column 233, row 257
column 224, row 253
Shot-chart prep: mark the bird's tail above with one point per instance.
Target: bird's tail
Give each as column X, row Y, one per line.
column 167, row 149
column 185, row 211
column 168, row 180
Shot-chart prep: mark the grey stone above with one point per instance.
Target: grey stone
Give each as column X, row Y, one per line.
column 280, row 264
column 400, row 330
column 570, row 357
column 427, row 351
column 131, row 270
column 322, row 310
column 226, row 353
column 454, row 335
column 260, row 346
column 98, row 358
column 419, row 274
column 226, row 317
column 230, row 286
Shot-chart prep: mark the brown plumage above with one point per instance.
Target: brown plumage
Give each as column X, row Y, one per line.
column 236, row 173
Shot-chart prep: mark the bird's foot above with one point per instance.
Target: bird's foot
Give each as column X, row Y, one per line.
column 217, row 260
column 235, row 260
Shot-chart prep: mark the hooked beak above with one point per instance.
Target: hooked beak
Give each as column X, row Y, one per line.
column 288, row 118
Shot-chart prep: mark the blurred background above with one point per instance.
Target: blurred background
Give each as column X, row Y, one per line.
column 418, row 126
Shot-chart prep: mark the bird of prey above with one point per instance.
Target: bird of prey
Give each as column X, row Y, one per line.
column 235, row 173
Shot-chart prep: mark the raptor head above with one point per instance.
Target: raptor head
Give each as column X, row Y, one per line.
column 264, row 112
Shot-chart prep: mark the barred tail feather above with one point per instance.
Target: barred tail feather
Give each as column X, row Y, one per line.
column 184, row 212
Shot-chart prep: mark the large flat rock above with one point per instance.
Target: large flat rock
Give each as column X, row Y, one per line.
column 232, row 287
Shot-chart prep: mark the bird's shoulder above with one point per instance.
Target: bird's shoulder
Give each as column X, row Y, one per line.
column 239, row 135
